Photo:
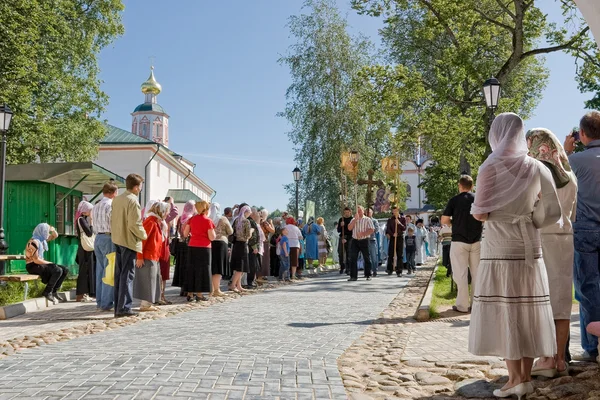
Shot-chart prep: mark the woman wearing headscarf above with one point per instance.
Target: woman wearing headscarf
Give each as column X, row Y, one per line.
column 165, row 258
column 147, row 281
column 422, row 239
column 220, row 259
column 181, row 250
column 322, row 242
column 242, row 232
column 311, row 232
column 267, row 229
column 512, row 315
column 201, row 231
column 86, row 279
column 335, row 238
column 51, row 274
column 557, row 245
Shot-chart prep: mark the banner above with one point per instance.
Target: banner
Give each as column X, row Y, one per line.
column 382, row 200
column 309, row 211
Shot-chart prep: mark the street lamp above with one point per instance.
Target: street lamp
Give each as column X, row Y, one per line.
column 491, row 92
column 5, row 118
column 297, row 178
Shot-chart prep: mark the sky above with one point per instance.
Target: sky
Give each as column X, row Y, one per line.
column 222, row 85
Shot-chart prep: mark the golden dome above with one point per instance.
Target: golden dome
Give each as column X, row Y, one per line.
column 151, row 85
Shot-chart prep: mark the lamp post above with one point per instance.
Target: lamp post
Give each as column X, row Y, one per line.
column 5, row 118
column 297, row 176
column 491, row 92
column 354, row 156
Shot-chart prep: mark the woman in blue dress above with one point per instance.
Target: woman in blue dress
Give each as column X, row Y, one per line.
column 311, row 233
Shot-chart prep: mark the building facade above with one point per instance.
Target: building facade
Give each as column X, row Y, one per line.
column 145, row 151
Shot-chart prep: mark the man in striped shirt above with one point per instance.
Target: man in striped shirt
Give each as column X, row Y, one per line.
column 362, row 228
column 103, row 245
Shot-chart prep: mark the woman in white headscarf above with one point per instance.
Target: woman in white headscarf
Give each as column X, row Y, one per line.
column 239, row 254
column 267, row 229
column 220, row 259
column 86, row 278
column 557, row 245
column 512, row 314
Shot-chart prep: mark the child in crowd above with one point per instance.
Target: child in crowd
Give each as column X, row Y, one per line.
column 445, row 237
column 410, row 243
column 284, row 256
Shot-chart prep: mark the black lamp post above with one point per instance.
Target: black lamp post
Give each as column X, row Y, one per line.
column 491, row 92
column 5, row 118
column 297, row 177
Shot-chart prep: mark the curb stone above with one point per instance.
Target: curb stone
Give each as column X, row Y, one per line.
column 422, row 313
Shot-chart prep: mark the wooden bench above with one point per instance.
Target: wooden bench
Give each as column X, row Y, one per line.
column 24, row 278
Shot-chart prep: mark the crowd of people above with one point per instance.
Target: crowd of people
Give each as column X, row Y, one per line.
column 527, row 236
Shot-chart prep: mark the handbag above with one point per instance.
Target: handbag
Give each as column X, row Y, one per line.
column 173, row 245
column 87, row 242
column 109, row 271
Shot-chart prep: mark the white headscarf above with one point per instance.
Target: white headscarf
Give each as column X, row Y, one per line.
column 215, row 213
column 163, row 209
column 508, row 171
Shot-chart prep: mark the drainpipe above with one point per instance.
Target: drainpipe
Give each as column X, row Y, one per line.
column 187, row 176
column 146, row 173
column 213, row 196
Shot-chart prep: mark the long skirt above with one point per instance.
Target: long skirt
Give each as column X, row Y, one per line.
column 86, row 279
column 239, row 257
column 558, row 253
column 219, row 257
column 165, row 262
column 512, row 316
column 294, row 254
column 146, row 284
column 181, row 256
column 199, row 277
column 265, row 269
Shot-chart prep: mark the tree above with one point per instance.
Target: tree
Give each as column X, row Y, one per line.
column 454, row 47
column 325, row 122
column 49, row 75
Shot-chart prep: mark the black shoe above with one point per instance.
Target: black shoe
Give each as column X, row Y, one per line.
column 374, row 274
column 190, row 298
column 389, row 272
column 368, row 278
column 341, row 271
column 201, row 298
column 126, row 314
column 352, row 279
column 51, row 298
column 59, row 298
column 399, row 275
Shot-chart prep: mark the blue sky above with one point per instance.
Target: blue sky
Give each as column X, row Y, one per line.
column 222, row 87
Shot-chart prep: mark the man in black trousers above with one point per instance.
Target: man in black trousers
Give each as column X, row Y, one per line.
column 345, row 239
column 394, row 231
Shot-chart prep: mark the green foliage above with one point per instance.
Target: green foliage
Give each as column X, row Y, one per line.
column 49, row 75
column 12, row 292
column 452, row 48
column 325, row 117
column 274, row 214
column 443, row 293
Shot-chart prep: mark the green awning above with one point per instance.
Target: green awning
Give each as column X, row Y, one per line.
column 91, row 177
column 182, row 195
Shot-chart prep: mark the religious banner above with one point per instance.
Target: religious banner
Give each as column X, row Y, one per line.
column 382, row 200
column 310, row 210
column 390, row 165
column 347, row 164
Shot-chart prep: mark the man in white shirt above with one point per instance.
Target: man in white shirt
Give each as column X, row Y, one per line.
column 103, row 245
column 362, row 228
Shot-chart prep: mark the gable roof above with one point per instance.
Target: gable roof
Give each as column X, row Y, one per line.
column 116, row 135
column 182, row 195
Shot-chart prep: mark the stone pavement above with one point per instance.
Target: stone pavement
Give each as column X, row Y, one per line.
column 282, row 343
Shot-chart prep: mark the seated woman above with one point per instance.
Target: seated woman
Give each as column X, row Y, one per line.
column 51, row 274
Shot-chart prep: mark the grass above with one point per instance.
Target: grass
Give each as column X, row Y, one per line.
column 442, row 295
column 12, row 292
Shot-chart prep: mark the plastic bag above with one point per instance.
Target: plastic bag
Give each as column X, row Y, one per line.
column 109, row 272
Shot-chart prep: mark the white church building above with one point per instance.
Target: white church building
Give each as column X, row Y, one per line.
column 145, row 151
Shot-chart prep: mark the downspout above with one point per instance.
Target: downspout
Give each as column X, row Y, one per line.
column 146, row 173
column 187, row 176
column 213, row 196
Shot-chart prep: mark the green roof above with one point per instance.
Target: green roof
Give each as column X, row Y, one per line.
column 150, row 107
column 118, row 135
column 182, row 195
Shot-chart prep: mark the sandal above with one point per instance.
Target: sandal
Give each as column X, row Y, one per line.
column 150, row 308
column 543, row 371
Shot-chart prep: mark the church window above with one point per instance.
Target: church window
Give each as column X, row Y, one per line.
column 408, row 191
column 157, row 168
column 145, row 128
column 157, row 128
column 134, row 126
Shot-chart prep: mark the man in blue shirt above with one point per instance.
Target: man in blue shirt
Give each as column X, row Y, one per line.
column 586, row 228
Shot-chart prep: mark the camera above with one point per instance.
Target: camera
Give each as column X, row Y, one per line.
column 575, row 134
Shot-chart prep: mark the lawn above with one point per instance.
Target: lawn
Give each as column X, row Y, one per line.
column 442, row 295
column 12, row 292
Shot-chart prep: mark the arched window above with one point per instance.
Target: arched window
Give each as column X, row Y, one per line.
column 134, row 126
column 408, row 191
column 157, row 130
column 144, row 128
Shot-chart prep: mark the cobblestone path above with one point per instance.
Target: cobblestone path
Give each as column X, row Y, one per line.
column 282, row 343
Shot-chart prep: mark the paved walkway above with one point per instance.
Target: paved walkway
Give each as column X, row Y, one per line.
column 282, row 343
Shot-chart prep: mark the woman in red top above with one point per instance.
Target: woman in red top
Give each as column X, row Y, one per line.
column 202, row 231
column 146, row 285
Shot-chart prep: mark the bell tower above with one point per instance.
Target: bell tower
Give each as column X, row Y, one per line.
column 149, row 119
